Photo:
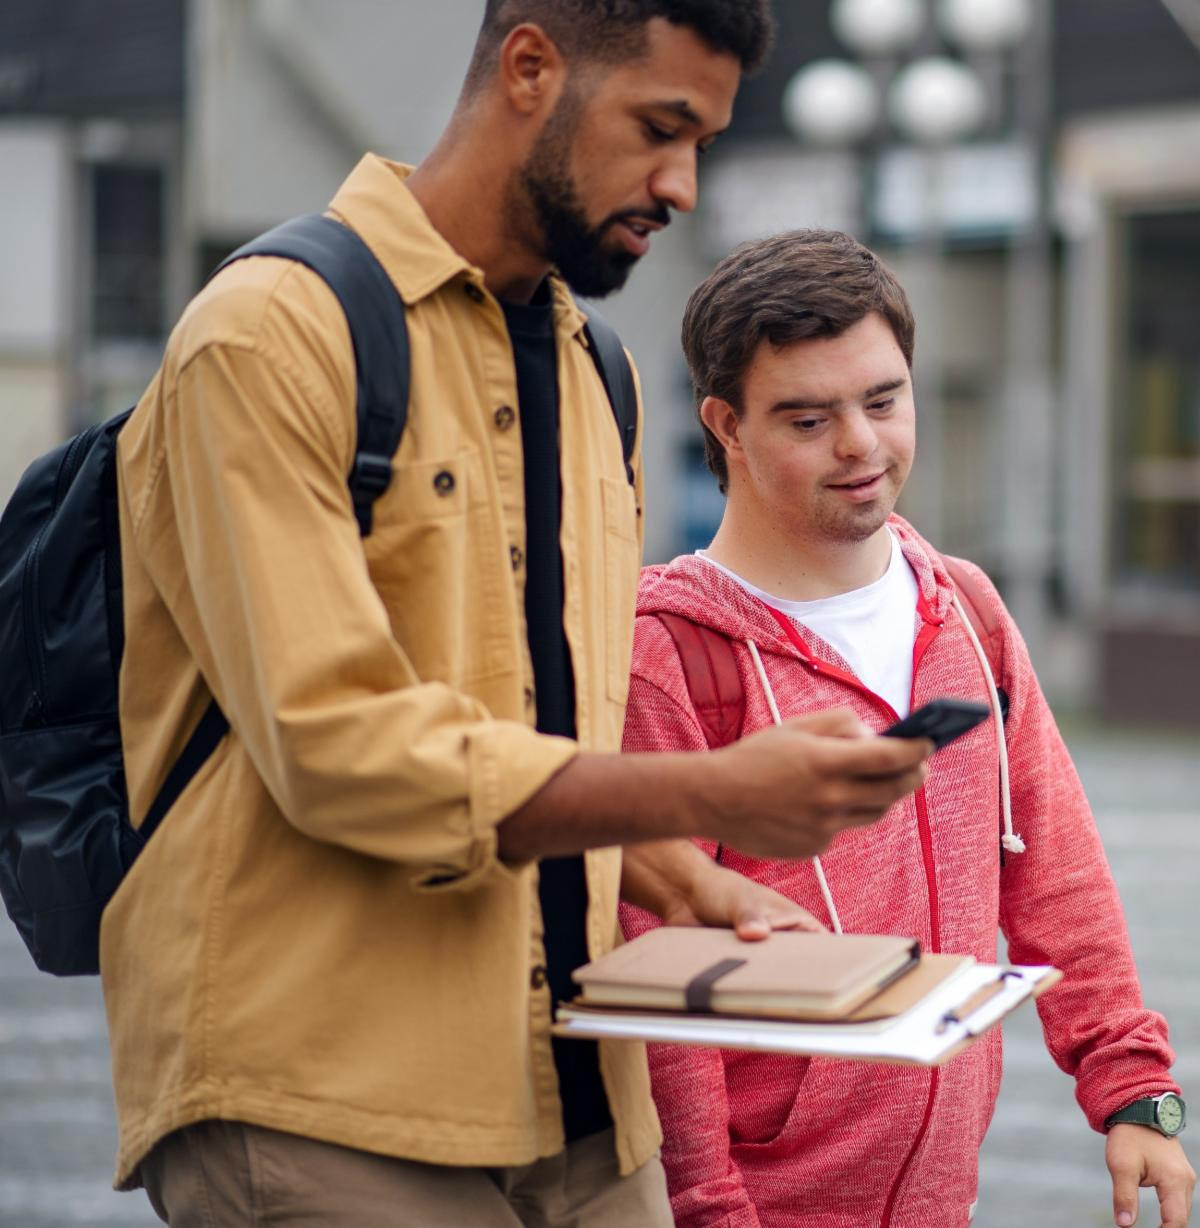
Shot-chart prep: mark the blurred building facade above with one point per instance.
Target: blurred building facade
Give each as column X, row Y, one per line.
column 141, row 140
column 1096, row 511
column 91, row 105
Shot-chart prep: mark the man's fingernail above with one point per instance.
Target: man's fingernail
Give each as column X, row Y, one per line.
column 1125, row 1218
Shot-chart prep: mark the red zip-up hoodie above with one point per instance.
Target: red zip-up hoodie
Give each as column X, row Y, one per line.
column 771, row 1141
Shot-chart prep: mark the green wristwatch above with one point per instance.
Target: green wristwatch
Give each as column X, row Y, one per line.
column 1166, row 1113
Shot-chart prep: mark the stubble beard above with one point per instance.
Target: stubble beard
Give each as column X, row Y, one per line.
column 566, row 239
column 850, row 525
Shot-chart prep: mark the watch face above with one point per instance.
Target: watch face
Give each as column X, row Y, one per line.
column 1170, row 1114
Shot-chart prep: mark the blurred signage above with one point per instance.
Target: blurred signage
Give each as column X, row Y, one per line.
column 755, row 193
column 965, row 190
column 977, row 190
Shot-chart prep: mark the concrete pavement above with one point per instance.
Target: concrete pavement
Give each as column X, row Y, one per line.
column 1040, row 1165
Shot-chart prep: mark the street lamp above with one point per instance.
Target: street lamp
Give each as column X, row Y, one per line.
column 831, row 102
column 877, row 27
column 985, row 25
column 935, row 101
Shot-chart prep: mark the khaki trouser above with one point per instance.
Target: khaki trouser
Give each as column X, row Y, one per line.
column 223, row 1174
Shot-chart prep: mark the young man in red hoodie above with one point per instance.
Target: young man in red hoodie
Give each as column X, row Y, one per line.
column 800, row 349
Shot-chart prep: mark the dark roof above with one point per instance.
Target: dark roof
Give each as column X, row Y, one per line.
column 1107, row 54
column 89, row 57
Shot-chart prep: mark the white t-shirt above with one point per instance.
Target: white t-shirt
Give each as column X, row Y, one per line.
column 873, row 627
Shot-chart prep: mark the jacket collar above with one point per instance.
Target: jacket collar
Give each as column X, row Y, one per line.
column 375, row 202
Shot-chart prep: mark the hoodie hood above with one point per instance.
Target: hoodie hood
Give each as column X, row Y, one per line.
column 696, row 590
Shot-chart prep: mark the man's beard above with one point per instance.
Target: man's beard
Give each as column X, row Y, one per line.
column 568, row 241
column 848, row 525
column 576, row 249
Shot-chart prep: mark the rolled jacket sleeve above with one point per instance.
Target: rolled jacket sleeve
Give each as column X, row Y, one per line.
column 276, row 603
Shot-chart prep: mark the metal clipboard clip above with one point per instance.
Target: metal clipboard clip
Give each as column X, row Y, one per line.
column 960, row 1015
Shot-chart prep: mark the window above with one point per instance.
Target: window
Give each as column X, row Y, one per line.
column 1157, row 436
column 127, row 299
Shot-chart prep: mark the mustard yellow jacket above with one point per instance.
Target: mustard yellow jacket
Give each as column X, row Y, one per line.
column 320, row 937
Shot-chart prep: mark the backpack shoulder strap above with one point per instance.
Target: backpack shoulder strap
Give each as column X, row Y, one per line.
column 617, row 377
column 374, row 314
column 711, row 675
column 979, row 611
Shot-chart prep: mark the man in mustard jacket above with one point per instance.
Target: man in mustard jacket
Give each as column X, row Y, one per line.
column 330, row 976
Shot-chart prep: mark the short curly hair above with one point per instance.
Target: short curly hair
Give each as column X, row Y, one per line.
column 788, row 288
column 609, row 31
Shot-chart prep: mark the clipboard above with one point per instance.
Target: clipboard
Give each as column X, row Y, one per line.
column 965, row 1001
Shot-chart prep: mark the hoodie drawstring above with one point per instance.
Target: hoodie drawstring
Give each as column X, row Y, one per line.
column 1010, row 841
column 770, row 694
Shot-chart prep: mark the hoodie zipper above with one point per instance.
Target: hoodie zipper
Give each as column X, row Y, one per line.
column 929, row 629
column 930, row 626
column 925, row 637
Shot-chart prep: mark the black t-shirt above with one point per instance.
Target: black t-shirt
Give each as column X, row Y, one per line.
column 562, row 887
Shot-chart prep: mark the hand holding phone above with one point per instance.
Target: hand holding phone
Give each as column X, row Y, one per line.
column 941, row 721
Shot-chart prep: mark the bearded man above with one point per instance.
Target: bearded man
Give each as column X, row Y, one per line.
column 330, row 976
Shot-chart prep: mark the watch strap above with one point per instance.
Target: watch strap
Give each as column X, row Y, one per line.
column 1142, row 1112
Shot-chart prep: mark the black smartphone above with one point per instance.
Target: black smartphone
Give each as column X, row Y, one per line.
column 940, row 720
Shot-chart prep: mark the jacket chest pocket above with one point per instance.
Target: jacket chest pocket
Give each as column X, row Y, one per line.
column 434, row 561
column 622, row 559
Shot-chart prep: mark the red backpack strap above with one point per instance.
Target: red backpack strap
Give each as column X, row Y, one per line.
column 711, row 675
column 979, row 611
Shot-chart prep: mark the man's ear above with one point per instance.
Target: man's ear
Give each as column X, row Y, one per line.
column 532, row 71
column 722, row 420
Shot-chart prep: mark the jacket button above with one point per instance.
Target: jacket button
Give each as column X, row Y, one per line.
column 537, row 977
column 443, row 482
column 504, row 417
column 473, row 292
column 517, row 555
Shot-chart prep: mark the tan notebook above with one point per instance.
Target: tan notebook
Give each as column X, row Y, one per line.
column 790, row 975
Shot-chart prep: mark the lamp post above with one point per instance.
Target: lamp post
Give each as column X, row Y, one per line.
column 987, row 29
column 1028, row 544
column 901, row 82
column 932, row 101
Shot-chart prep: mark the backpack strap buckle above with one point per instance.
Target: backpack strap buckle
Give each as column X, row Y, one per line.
column 370, row 476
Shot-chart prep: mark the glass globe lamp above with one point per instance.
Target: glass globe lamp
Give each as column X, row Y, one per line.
column 831, row 102
column 877, row 27
column 937, row 100
column 985, row 25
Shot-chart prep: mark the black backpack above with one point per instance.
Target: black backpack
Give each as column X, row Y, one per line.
column 66, row 841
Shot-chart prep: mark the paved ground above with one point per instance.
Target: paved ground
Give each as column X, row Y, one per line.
column 1041, row 1165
